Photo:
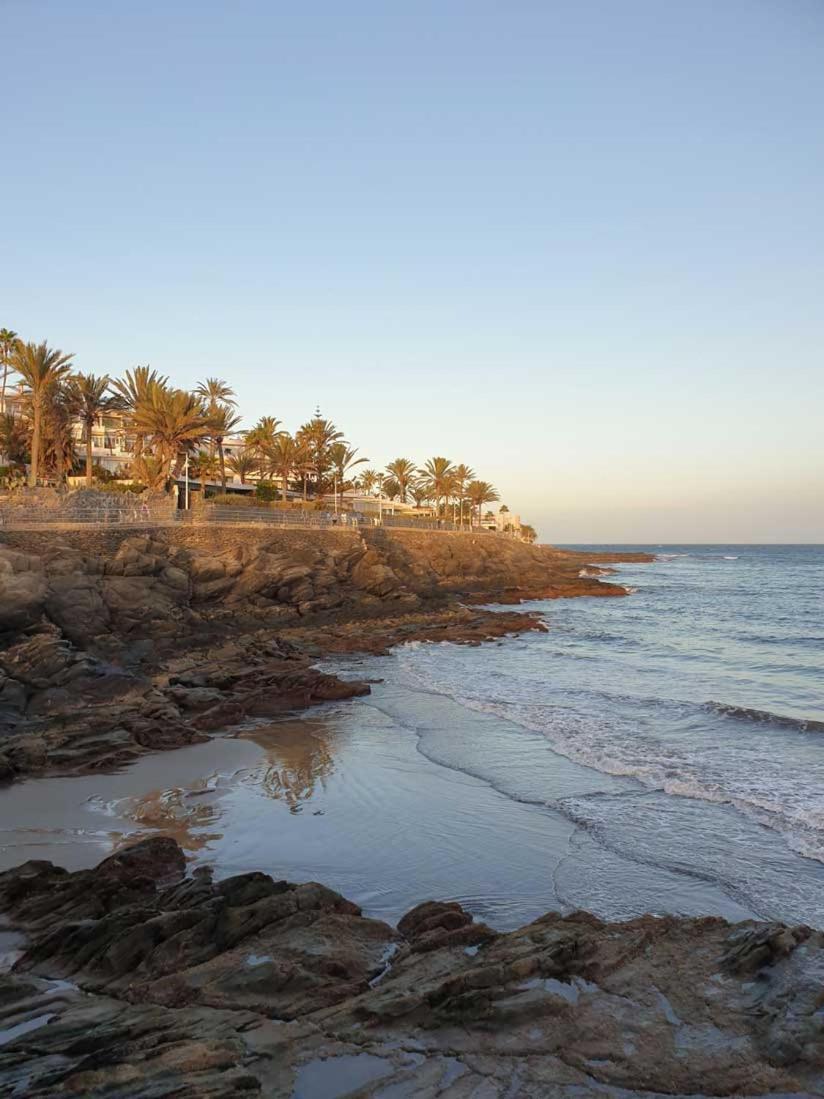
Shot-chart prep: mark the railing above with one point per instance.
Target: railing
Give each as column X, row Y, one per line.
column 23, row 518
column 344, row 520
column 273, row 517
column 126, row 513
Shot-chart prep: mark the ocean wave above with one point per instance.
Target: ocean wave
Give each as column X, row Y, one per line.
column 765, row 717
column 624, row 749
column 584, row 742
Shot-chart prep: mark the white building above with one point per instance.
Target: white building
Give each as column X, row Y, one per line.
column 112, row 446
column 504, row 521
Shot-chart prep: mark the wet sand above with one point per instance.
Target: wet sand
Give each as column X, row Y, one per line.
column 344, row 795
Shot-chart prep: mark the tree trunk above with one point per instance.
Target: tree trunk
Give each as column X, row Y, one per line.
column 219, row 442
column 88, row 454
column 284, row 473
column 35, row 443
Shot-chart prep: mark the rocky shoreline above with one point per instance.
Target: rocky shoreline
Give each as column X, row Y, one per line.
column 156, row 642
column 136, row 980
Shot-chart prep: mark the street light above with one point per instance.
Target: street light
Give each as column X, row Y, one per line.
column 186, row 496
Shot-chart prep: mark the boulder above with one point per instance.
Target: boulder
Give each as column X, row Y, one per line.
column 22, row 599
column 75, row 604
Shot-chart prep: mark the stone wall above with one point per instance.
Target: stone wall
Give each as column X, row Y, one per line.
column 83, row 505
column 96, row 541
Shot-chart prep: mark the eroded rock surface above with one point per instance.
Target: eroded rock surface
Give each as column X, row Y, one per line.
column 159, row 644
column 138, row 981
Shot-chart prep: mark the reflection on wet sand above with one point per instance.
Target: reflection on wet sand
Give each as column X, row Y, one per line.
column 298, row 759
column 175, row 814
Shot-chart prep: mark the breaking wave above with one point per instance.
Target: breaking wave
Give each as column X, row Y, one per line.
column 765, row 717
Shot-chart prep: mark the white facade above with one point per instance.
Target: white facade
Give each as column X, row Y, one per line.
column 111, row 446
column 502, row 521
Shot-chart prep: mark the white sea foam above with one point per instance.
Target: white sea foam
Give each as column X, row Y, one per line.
column 620, row 687
column 752, row 780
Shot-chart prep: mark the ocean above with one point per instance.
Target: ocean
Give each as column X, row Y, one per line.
column 658, row 753
column 701, row 696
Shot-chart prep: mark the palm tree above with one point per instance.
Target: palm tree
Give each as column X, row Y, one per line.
column 174, row 422
column 8, row 342
column 41, row 367
column 403, row 471
column 437, row 474
column 88, row 397
column 14, row 440
column 317, row 436
column 463, row 475
column 304, row 462
column 450, row 492
column 342, row 458
column 284, row 459
column 214, row 392
column 204, row 467
column 528, row 533
column 57, row 437
column 368, row 481
column 134, row 389
column 222, row 421
column 151, row 471
column 419, row 491
column 243, row 464
column 261, row 439
column 390, row 488
column 479, row 493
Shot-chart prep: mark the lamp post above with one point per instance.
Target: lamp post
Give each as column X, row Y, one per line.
column 380, row 499
column 186, row 494
column 335, row 483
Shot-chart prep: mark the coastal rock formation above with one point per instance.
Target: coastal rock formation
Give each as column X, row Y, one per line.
column 69, row 711
column 135, row 980
column 91, row 671
column 489, row 569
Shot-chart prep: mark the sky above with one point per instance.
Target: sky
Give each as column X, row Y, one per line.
column 577, row 244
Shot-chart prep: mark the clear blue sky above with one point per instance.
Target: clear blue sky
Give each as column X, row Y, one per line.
column 579, row 244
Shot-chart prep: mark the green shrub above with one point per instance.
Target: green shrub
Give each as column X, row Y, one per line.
column 266, row 491
column 126, row 486
column 101, row 474
column 12, row 476
column 236, row 500
column 264, row 498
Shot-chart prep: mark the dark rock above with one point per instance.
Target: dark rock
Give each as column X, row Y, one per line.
column 251, row 985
